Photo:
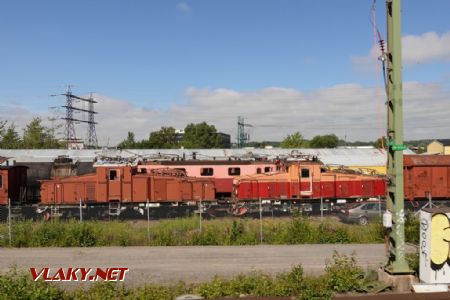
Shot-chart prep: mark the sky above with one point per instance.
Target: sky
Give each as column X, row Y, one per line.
column 285, row 66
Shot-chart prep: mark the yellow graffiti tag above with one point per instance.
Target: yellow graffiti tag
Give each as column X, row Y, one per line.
column 440, row 239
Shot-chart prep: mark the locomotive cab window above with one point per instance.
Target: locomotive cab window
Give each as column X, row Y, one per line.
column 258, row 171
column 305, row 173
column 267, row 169
column 206, row 171
column 113, row 175
column 234, row 171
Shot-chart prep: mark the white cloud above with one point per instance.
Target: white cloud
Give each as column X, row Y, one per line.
column 117, row 117
column 17, row 115
column 183, row 7
column 416, row 49
column 426, row 48
column 349, row 110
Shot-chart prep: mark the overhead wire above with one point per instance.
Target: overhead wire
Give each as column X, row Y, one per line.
column 380, row 42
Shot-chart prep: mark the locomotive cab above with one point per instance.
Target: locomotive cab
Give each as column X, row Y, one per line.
column 13, row 183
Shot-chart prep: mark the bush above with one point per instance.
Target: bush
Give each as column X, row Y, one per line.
column 343, row 275
column 290, row 283
column 207, row 238
column 413, row 260
column 20, row 286
column 315, row 288
column 237, row 230
column 299, row 231
column 22, row 234
column 412, row 229
column 216, row 288
column 329, row 234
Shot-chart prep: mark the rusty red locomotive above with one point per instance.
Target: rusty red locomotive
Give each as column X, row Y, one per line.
column 426, row 176
column 126, row 184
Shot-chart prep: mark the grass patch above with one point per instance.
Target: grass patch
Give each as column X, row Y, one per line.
column 186, row 232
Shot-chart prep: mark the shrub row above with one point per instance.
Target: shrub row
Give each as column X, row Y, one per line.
column 179, row 232
column 341, row 276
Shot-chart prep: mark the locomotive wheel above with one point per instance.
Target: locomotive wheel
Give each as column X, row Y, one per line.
column 363, row 221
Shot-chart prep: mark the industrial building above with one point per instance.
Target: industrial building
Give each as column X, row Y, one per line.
column 440, row 146
column 366, row 157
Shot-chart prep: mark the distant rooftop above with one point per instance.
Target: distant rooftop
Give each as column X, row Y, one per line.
column 445, row 142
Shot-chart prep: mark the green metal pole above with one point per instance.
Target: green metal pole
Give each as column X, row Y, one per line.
column 395, row 194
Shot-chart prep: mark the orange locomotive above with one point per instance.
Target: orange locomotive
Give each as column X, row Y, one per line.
column 308, row 180
column 125, row 185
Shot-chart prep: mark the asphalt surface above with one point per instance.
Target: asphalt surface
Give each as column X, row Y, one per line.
column 191, row 264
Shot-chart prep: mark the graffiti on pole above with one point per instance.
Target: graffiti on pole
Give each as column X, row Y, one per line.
column 435, row 246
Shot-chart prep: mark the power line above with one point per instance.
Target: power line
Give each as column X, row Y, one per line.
column 242, row 135
column 70, row 136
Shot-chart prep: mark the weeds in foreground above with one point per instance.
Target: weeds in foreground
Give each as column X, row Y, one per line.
column 341, row 276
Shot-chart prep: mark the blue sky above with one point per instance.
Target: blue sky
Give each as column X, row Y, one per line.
column 159, row 56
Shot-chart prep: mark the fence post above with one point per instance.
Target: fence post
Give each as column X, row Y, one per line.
column 430, row 202
column 379, row 206
column 321, row 208
column 81, row 212
column 9, row 222
column 200, row 213
column 148, row 221
column 260, row 222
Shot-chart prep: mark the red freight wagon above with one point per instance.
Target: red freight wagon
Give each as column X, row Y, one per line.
column 427, row 176
column 126, row 185
column 308, row 180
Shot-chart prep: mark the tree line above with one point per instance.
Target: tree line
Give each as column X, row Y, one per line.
column 35, row 135
column 196, row 136
column 296, row 140
column 204, row 136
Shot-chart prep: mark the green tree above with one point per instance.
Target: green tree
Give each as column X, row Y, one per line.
column 294, row 140
column 165, row 138
column 2, row 128
column 38, row 136
column 324, row 141
column 10, row 139
column 380, row 143
column 202, row 136
column 129, row 142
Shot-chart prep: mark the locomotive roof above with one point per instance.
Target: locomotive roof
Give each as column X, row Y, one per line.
column 426, row 160
column 206, row 162
column 341, row 156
